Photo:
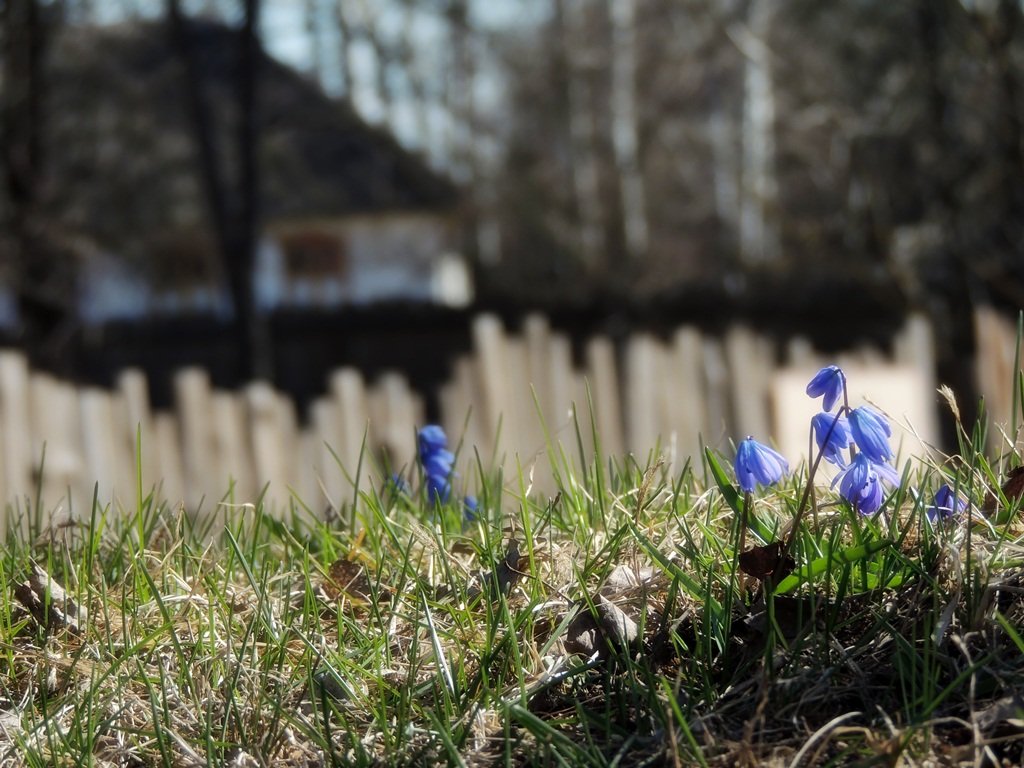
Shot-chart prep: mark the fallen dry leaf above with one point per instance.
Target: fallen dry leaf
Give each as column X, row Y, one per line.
column 764, row 561
column 348, row 579
column 1013, row 489
column 48, row 602
column 593, row 631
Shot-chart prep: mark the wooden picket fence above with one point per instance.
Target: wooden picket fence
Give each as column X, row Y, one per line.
column 510, row 401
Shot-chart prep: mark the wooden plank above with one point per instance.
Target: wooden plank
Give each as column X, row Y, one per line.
column 234, row 462
column 349, row 391
column 305, row 483
column 124, row 457
column 326, row 423
column 16, row 437
column 57, row 424
column 750, row 369
column 800, row 353
column 537, row 338
column 192, row 397
column 134, row 389
column 602, row 373
column 644, row 359
column 995, row 339
column 267, row 443
column 97, row 413
column 172, row 471
column 562, row 387
column 288, row 426
column 489, row 346
column 460, row 415
column 716, row 391
column 522, row 423
column 394, row 416
column 687, row 413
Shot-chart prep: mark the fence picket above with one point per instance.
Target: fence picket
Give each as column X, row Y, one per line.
column 680, row 391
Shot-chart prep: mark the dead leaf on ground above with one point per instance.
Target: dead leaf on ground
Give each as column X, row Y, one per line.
column 1009, row 709
column 48, row 602
column 592, row 631
column 1013, row 489
column 505, row 575
column 583, row 636
column 349, row 580
column 765, row 561
column 625, row 577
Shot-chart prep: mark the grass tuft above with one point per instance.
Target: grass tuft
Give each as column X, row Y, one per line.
column 610, row 623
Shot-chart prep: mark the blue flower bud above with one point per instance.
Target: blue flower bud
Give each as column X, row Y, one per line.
column 432, row 438
column 830, row 381
column 861, row 483
column 871, row 433
column 832, row 434
column 946, row 505
column 757, row 464
column 470, row 507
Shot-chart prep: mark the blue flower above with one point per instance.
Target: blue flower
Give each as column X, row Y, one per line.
column 437, row 462
column 397, row 484
column 757, row 464
column 871, row 432
column 469, row 509
column 861, row 483
column 432, row 438
column 832, row 434
column 946, row 505
column 830, row 381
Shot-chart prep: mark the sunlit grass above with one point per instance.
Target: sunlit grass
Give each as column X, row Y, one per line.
column 398, row 634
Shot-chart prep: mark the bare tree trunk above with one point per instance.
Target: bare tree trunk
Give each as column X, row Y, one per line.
column 316, row 46
column 414, row 75
column 234, row 208
column 459, row 93
column 41, row 278
column 586, row 177
column 759, row 231
column 625, row 127
column 345, row 48
column 250, row 327
column 382, row 66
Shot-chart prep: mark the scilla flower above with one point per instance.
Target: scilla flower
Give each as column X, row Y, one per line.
column 470, row 507
column 757, row 464
column 830, row 381
column 946, row 505
column 431, row 438
column 437, row 462
column 871, row 433
column 832, row 434
column 861, row 483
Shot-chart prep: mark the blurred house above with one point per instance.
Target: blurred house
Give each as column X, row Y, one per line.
column 348, row 215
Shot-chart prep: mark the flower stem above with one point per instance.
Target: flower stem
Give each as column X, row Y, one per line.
column 808, row 489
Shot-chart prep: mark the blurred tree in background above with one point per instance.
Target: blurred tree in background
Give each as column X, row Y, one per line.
column 619, row 150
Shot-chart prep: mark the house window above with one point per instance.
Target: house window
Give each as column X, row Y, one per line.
column 313, row 254
column 183, row 260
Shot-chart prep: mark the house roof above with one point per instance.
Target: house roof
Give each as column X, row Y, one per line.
column 122, row 161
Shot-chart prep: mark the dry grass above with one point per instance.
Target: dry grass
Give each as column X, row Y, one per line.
column 607, row 625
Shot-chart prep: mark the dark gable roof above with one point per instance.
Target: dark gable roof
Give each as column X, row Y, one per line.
column 122, row 161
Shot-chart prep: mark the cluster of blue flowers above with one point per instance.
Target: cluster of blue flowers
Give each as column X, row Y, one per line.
column 437, row 462
column 862, row 432
column 438, row 469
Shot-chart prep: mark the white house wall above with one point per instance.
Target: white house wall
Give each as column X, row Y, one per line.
column 388, row 257
column 393, row 256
